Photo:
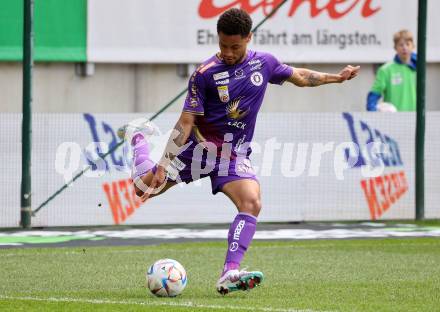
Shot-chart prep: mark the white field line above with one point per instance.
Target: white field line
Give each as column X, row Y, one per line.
column 146, row 251
column 296, row 234
column 187, row 304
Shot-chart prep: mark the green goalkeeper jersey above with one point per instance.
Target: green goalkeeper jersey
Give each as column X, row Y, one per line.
column 396, row 83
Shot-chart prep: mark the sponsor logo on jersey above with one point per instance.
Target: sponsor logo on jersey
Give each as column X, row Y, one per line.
column 223, row 93
column 239, row 74
column 253, row 62
column 257, row 79
column 234, row 112
column 256, row 67
column 222, row 82
column 237, row 124
column 222, row 75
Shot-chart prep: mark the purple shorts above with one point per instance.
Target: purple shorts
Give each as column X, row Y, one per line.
column 192, row 165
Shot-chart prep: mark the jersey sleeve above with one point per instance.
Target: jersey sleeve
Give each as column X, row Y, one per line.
column 379, row 84
column 372, row 100
column 196, row 96
column 279, row 72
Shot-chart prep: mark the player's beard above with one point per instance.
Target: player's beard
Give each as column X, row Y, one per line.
column 239, row 59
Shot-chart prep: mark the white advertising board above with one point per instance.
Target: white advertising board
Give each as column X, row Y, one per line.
column 301, row 161
column 302, row 31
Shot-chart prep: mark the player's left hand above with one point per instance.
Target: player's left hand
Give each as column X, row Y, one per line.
column 349, row 72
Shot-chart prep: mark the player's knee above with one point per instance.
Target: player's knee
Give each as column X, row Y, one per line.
column 252, row 206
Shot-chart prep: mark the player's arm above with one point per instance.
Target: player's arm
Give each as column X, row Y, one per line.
column 194, row 105
column 303, row 77
column 177, row 139
column 377, row 90
column 175, row 144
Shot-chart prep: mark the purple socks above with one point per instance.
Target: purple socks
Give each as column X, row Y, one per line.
column 141, row 156
column 240, row 235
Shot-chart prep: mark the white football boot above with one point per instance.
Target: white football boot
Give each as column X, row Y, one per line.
column 140, row 125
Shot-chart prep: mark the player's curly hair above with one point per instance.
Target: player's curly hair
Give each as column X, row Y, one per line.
column 234, row 22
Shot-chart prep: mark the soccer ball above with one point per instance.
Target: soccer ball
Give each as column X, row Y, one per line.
column 166, row 278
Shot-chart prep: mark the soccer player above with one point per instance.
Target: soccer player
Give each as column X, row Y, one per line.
column 212, row 136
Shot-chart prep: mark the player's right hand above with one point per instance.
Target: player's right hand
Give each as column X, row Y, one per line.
column 349, row 72
column 157, row 183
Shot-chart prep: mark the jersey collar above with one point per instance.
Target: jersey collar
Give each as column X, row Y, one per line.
column 413, row 61
column 249, row 54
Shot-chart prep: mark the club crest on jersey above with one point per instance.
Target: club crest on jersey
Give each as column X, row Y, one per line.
column 223, row 93
column 257, row 79
column 222, row 75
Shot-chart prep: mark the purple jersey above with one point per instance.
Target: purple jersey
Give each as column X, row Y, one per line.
column 227, row 98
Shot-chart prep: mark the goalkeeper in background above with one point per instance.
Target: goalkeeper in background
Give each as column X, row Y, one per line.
column 396, row 81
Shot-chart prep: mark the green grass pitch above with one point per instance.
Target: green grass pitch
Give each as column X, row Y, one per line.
column 321, row 275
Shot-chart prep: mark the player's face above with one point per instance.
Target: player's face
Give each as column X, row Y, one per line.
column 404, row 49
column 233, row 48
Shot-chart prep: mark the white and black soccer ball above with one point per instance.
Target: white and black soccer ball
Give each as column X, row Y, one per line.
column 166, row 278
